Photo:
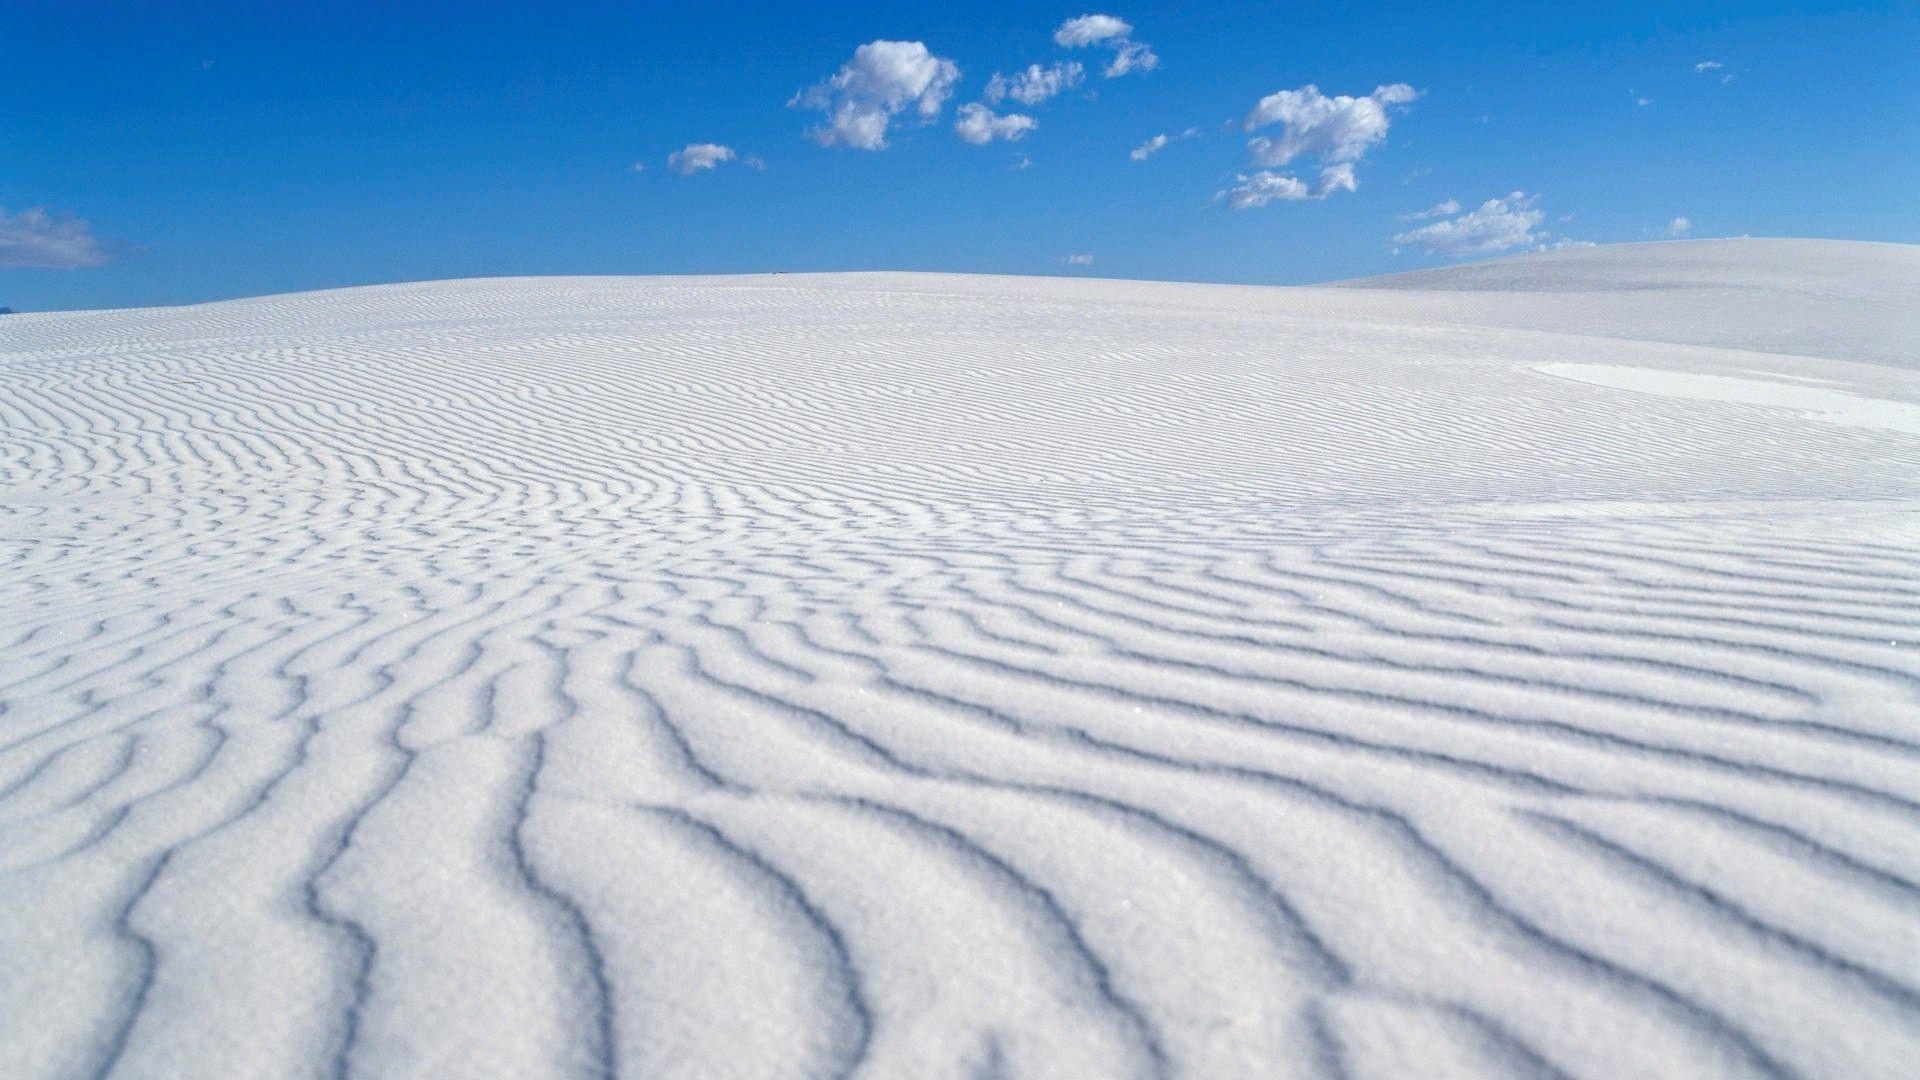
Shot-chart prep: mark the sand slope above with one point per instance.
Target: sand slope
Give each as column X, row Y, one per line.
column 917, row 675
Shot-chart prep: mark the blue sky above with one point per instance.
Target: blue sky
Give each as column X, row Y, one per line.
column 175, row 152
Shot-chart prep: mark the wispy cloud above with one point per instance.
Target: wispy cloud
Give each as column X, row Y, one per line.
column 1149, row 148
column 1442, row 209
column 1708, row 67
column 36, row 240
column 883, row 80
column 1678, row 227
column 1266, row 186
column 1108, row 32
column 1078, row 260
column 1036, row 84
column 1495, row 225
column 1160, row 142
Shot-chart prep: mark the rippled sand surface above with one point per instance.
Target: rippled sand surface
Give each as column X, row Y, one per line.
column 914, row 675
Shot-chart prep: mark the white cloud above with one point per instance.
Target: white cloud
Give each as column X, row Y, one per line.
column 35, row 240
column 1641, row 100
column 1090, row 29
column 1335, row 178
column 695, row 157
column 1110, row 32
column 1021, row 163
column 1036, row 84
column 1679, row 226
column 979, row 125
column 1149, row 148
column 883, row 80
column 639, row 167
column 1496, row 225
column 1334, row 129
column 1078, row 260
column 1338, row 131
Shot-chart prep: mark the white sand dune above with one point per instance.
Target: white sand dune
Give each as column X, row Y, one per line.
column 1509, row 670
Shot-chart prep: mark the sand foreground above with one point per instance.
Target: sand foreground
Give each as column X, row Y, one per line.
column 1510, row 670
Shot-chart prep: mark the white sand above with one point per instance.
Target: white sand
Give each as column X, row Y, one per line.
column 942, row 676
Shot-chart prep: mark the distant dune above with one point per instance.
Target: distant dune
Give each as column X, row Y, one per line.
column 1825, row 298
column 1510, row 669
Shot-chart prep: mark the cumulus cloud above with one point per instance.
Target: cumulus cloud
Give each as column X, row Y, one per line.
column 1108, row 32
column 695, row 157
column 1336, row 131
column 1036, row 84
column 1149, row 148
column 1091, row 29
column 1495, row 225
column 1078, row 260
column 1679, row 226
column 883, row 80
column 979, row 125
column 36, row 240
